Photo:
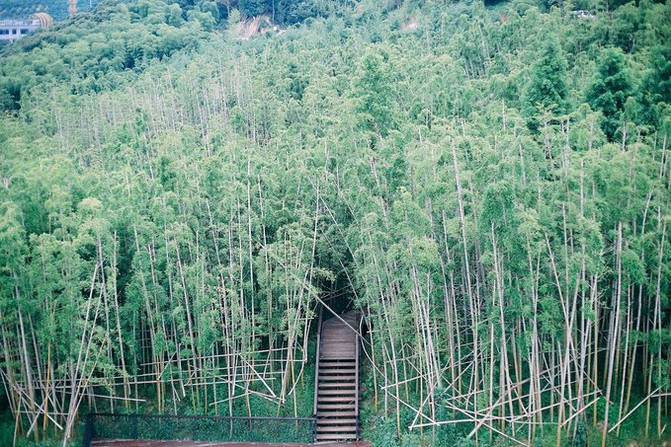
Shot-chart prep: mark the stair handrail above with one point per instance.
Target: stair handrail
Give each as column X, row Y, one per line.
column 319, row 334
column 356, row 394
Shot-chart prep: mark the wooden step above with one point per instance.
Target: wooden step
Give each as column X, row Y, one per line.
column 332, row 363
column 337, row 385
column 334, row 414
column 337, row 351
column 343, row 421
column 337, row 355
column 336, row 392
column 337, row 399
column 345, row 379
column 335, row 436
column 335, row 406
column 333, row 380
column 345, row 345
column 340, row 371
column 336, row 429
column 329, row 378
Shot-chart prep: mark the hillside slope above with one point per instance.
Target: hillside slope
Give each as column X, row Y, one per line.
column 490, row 187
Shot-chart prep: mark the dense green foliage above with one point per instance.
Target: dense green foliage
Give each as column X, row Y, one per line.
column 490, row 187
column 279, row 11
column 58, row 9
column 98, row 52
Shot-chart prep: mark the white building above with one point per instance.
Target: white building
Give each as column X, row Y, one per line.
column 15, row 29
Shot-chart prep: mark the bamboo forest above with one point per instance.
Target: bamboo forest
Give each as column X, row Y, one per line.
column 193, row 192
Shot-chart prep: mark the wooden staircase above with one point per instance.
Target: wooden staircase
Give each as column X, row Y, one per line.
column 337, row 379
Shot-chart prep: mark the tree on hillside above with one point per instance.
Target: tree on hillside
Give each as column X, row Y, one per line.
column 295, row 11
column 547, row 89
column 252, row 8
column 655, row 90
column 373, row 90
column 610, row 89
